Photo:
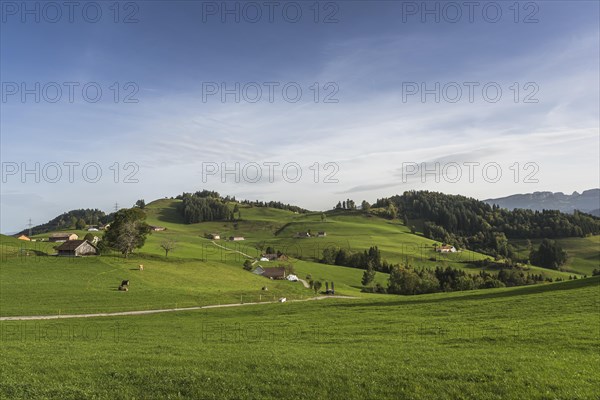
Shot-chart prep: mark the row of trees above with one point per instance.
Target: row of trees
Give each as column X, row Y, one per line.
column 347, row 204
column 366, row 259
column 74, row 219
column 463, row 216
column 205, row 206
column 406, row 280
column 274, row 204
column 473, row 224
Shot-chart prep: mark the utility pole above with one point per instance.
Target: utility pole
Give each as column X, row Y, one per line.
column 29, row 225
column 116, row 207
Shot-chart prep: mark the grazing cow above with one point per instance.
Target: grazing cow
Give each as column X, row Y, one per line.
column 141, row 267
column 125, row 283
column 123, row 288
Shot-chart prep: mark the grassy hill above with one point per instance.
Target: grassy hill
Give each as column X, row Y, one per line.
column 263, row 227
column 584, row 253
column 534, row 342
column 43, row 284
column 200, row 271
column 537, row 342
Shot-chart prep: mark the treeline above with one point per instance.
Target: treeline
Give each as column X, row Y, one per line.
column 207, row 194
column 204, row 206
column 347, row 204
column 274, row 204
column 470, row 223
column 364, row 260
column 207, row 205
column 409, row 281
column 74, row 219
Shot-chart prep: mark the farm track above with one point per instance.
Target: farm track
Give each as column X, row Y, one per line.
column 306, row 285
column 158, row 311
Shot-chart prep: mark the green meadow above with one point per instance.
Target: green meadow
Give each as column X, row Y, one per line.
column 533, row 342
column 537, row 342
column 584, row 253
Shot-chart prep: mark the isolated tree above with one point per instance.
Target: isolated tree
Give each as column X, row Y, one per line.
column 89, row 237
column 323, row 217
column 368, row 276
column 236, row 208
column 248, row 265
column 127, row 231
column 344, row 204
column 338, row 205
column 168, row 245
column 365, row 206
column 140, row 203
column 317, row 286
column 548, row 255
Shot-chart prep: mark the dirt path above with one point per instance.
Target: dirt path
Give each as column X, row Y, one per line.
column 306, row 285
column 159, row 311
column 235, row 251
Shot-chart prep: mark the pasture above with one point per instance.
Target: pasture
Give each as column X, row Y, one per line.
column 538, row 342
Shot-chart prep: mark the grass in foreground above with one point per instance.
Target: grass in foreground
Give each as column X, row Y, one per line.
column 537, row 342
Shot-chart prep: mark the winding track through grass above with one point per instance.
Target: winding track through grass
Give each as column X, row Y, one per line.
column 158, row 311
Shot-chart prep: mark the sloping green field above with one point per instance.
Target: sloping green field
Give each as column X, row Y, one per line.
column 201, row 272
column 538, row 342
column 263, row 227
column 584, row 253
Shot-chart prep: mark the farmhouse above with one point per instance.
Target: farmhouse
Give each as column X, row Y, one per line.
column 92, row 229
column 157, row 228
column 236, row 238
column 62, row 237
column 446, row 249
column 273, row 257
column 274, row 273
column 76, row 248
column 214, row 236
column 23, row 237
column 302, row 235
column 322, row 234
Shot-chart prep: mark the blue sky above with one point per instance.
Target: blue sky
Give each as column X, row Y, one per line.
column 367, row 61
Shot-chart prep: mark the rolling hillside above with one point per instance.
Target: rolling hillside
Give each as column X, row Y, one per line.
column 200, row 271
column 536, row 342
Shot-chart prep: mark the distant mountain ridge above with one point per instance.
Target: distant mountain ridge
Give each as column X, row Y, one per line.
column 588, row 201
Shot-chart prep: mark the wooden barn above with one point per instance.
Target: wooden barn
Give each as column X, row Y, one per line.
column 62, row 237
column 274, row 273
column 76, row 248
